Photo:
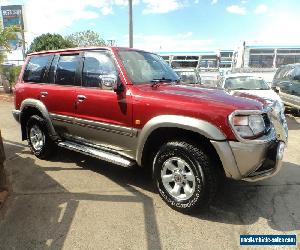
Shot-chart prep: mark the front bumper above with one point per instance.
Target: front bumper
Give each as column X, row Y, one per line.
column 255, row 160
column 271, row 165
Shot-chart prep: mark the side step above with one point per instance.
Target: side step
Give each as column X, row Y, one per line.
column 97, row 153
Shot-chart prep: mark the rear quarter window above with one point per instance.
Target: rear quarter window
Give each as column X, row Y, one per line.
column 36, row 68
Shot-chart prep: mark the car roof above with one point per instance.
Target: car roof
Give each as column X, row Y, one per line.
column 78, row 49
column 185, row 70
column 289, row 65
column 242, row 75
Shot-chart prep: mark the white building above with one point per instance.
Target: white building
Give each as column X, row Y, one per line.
column 264, row 56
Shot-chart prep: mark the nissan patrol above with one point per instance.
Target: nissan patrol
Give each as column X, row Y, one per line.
column 128, row 107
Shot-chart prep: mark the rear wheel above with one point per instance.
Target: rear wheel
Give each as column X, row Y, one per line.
column 38, row 138
column 185, row 177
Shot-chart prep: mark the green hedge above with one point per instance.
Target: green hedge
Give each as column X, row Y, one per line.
column 10, row 73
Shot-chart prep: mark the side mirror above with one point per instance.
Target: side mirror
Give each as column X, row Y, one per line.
column 118, row 86
column 276, row 89
column 108, row 81
column 112, row 82
column 297, row 77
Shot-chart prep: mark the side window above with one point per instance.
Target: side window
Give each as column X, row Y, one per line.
column 278, row 74
column 296, row 89
column 51, row 75
column 66, row 70
column 287, row 73
column 296, row 74
column 36, row 68
column 97, row 66
column 286, row 87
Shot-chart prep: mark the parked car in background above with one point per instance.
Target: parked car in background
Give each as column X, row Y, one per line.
column 126, row 106
column 209, row 78
column 252, row 85
column 188, row 76
column 286, row 82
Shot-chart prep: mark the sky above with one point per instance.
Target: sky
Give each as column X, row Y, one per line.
column 169, row 25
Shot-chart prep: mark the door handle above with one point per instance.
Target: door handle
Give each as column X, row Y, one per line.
column 81, row 98
column 43, row 93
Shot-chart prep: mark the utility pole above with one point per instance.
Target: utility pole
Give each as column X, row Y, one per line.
column 130, row 24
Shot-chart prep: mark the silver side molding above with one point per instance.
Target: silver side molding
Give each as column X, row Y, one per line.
column 97, row 153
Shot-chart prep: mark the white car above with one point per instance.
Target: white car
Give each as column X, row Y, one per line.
column 249, row 84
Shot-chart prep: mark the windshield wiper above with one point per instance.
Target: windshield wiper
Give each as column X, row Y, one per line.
column 240, row 89
column 157, row 81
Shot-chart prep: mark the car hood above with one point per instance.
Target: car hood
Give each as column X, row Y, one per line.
column 264, row 94
column 185, row 93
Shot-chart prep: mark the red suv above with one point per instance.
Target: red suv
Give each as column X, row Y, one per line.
column 128, row 107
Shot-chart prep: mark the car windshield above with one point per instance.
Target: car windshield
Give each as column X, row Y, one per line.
column 245, row 83
column 145, row 67
column 188, row 77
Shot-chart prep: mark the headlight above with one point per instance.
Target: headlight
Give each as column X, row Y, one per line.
column 249, row 126
column 279, row 107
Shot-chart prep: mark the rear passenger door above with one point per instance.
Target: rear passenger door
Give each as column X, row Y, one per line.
column 59, row 93
column 34, row 77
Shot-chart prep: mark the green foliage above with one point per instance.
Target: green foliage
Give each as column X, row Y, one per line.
column 6, row 35
column 86, row 38
column 49, row 42
column 11, row 73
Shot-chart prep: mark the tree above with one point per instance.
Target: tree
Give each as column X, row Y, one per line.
column 50, row 42
column 7, row 34
column 86, row 38
column 11, row 73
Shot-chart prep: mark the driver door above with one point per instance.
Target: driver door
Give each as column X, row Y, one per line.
column 103, row 118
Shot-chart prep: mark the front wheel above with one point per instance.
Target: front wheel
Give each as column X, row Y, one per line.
column 185, row 177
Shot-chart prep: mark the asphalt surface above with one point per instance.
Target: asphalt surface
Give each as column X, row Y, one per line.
column 77, row 202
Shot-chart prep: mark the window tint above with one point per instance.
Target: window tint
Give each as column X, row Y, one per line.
column 97, row 66
column 281, row 74
column 36, row 68
column 245, row 83
column 291, row 88
column 66, row 69
column 144, row 67
column 297, row 73
column 278, row 74
column 51, row 75
column 287, row 75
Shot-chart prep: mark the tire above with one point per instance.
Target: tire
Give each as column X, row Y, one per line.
column 185, row 177
column 38, row 137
